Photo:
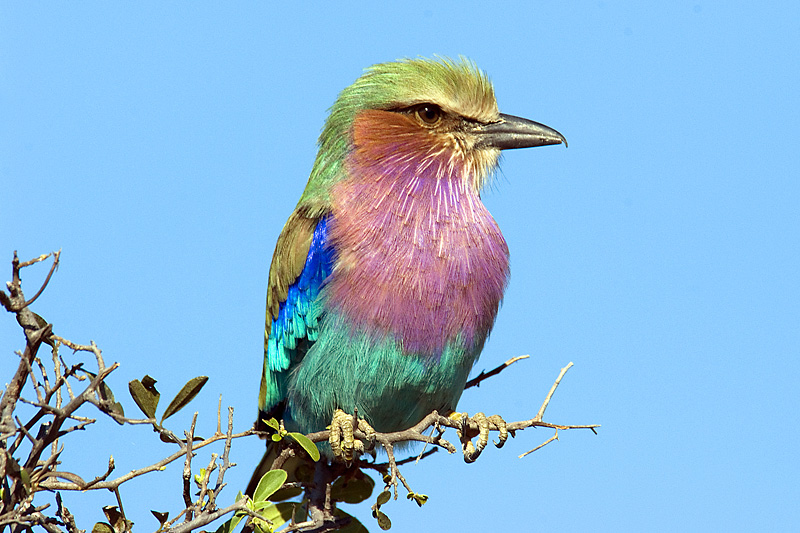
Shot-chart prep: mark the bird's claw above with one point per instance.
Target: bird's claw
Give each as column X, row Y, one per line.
column 343, row 443
column 485, row 424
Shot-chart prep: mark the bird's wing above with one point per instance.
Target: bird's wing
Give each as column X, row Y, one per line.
column 301, row 262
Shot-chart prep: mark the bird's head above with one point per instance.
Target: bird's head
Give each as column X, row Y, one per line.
column 419, row 114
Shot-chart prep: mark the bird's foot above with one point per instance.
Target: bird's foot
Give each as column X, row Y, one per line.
column 484, row 424
column 343, row 443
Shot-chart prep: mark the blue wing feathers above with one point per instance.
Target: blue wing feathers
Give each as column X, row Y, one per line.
column 298, row 317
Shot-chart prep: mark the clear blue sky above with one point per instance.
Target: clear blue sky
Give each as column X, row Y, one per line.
column 161, row 146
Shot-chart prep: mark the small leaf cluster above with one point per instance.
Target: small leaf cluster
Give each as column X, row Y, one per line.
column 301, row 439
column 117, row 523
column 107, row 396
column 271, row 515
column 383, row 520
column 383, row 498
column 146, row 396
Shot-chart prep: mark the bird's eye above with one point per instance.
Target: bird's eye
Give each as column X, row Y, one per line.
column 429, row 113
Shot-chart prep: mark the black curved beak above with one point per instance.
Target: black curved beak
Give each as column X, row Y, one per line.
column 516, row 132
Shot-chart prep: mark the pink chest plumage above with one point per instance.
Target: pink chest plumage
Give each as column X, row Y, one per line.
column 419, row 256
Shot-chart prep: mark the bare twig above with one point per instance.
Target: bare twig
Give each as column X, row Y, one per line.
column 542, row 445
column 219, row 415
column 103, row 477
column 476, row 381
column 52, row 484
column 226, row 463
column 121, row 509
column 53, row 268
column 202, row 505
column 418, row 458
column 187, row 469
column 546, row 402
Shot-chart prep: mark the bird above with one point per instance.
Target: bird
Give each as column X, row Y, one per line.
column 388, row 275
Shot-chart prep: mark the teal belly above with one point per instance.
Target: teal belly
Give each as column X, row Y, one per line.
column 392, row 390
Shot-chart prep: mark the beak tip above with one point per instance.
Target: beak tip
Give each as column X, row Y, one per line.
column 516, row 132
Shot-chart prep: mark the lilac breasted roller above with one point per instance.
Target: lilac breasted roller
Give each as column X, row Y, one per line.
column 388, row 275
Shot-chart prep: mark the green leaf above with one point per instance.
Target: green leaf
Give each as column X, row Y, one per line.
column 105, row 391
column 285, row 494
column 102, row 527
column 107, row 394
column 184, row 396
column 383, row 521
column 261, row 526
column 353, row 527
column 25, row 477
column 273, row 424
column 301, row 511
column 231, row 524
column 198, row 478
column 420, row 499
column 384, row 497
column 118, row 410
column 113, row 515
column 353, row 490
column 118, row 522
column 161, row 517
column 270, row 482
column 145, row 395
column 278, row 513
column 165, row 438
column 225, row 527
column 306, row 443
